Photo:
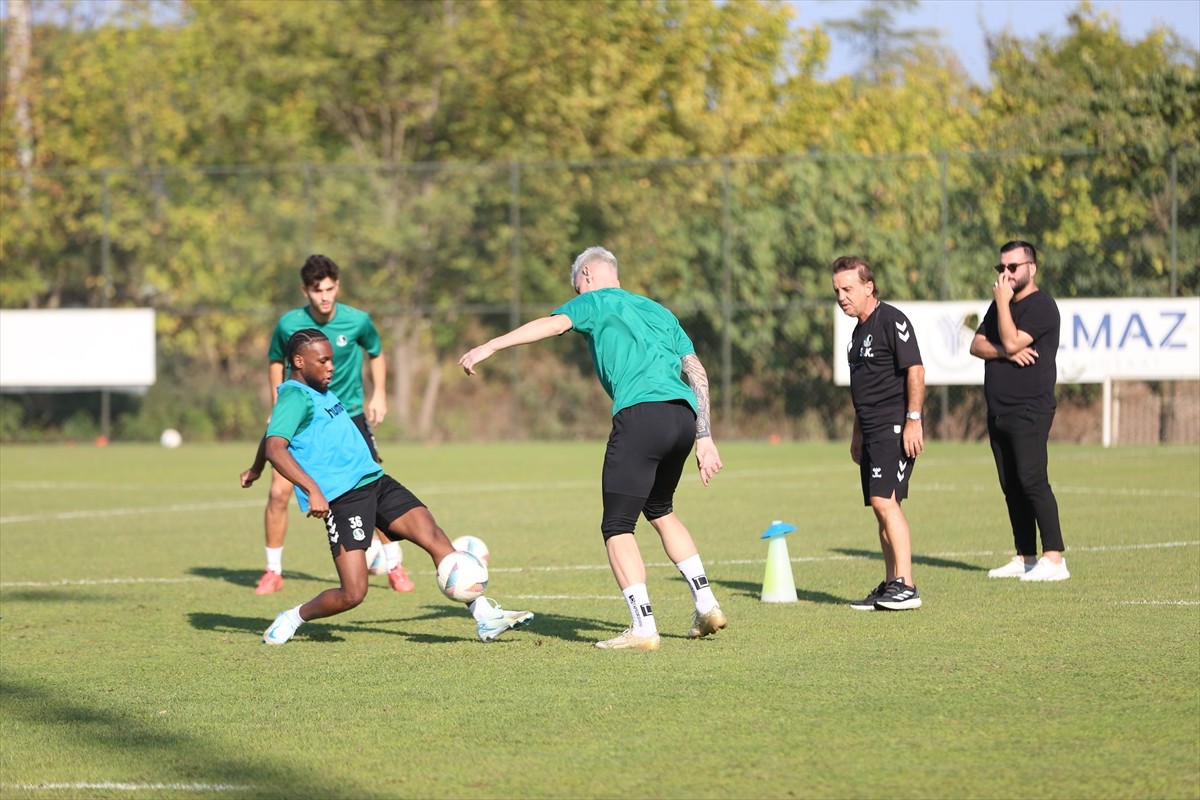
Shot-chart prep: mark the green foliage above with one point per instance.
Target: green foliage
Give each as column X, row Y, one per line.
column 1133, row 106
column 876, row 34
column 457, row 154
column 12, row 419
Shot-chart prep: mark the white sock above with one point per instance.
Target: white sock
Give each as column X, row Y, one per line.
column 638, row 600
column 391, row 551
column 481, row 609
column 275, row 560
column 692, row 570
column 294, row 616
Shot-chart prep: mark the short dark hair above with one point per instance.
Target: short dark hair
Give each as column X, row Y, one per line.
column 317, row 268
column 300, row 340
column 1030, row 250
column 860, row 265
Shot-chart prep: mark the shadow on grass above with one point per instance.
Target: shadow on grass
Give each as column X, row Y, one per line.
column 48, row 596
column 248, row 577
column 926, row 561
column 754, row 590
column 573, row 629
column 459, row 626
column 148, row 747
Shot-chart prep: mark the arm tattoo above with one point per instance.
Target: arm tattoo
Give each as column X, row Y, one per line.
column 697, row 378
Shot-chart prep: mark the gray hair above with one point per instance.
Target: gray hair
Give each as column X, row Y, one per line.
column 588, row 256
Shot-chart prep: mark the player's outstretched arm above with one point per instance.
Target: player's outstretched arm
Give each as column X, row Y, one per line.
column 533, row 331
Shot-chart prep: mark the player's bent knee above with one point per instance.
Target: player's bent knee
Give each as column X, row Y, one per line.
column 352, row 598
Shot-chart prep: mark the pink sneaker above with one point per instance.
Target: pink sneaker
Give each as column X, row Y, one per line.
column 398, row 578
column 269, row 582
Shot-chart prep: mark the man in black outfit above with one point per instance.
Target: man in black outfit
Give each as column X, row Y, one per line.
column 887, row 384
column 1018, row 341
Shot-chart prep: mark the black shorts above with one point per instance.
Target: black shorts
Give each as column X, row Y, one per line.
column 364, row 427
column 353, row 517
column 884, row 468
column 648, row 446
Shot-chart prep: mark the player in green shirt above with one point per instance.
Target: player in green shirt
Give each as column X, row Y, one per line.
column 659, row 388
column 351, row 333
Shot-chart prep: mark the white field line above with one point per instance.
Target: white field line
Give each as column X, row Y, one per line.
column 1157, row 602
column 649, row 565
column 94, row 582
column 124, row 512
column 435, row 490
column 129, row 787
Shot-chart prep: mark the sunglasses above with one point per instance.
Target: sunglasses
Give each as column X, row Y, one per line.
column 1012, row 267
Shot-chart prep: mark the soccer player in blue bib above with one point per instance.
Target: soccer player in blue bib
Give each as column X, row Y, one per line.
column 352, row 334
column 312, row 442
column 659, row 388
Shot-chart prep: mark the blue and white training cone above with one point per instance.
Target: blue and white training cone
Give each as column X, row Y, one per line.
column 779, row 585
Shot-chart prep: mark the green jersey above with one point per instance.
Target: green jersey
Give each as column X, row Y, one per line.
column 637, row 346
column 350, row 331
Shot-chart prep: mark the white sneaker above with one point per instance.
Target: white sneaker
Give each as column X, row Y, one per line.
column 1015, row 568
column 500, row 620
column 1047, row 570
column 280, row 631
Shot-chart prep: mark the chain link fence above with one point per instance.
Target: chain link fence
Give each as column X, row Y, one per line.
column 447, row 256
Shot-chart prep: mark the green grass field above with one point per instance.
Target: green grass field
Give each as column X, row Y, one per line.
column 132, row 666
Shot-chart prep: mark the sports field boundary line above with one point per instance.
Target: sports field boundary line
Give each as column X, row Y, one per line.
column 649, row 565
column 1156, row 602
column 115, row 786
column 435, row 491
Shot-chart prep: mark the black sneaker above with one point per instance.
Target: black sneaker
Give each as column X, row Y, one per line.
column 899, row 596
column 868, row 602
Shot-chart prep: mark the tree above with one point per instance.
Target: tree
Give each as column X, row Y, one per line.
column 1128, row 110
column 876, row 34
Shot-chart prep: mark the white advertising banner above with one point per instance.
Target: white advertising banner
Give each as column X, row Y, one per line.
column 77, row 349
column 1118, row 339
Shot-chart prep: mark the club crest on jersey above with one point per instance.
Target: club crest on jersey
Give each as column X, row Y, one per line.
column 342, row 341
column 865, row 351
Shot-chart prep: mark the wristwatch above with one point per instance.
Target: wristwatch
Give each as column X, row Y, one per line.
column 913, row 415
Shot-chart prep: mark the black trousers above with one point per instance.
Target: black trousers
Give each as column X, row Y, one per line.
column 1019, row 447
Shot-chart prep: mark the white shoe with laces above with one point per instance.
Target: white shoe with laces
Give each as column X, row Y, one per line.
column 500, row 620
column 1015, row 568
column 1047, row 570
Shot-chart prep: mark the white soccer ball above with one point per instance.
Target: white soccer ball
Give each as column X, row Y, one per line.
column 473, row 545
column 170, row 438
column 376, row 559
column 462, row 577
